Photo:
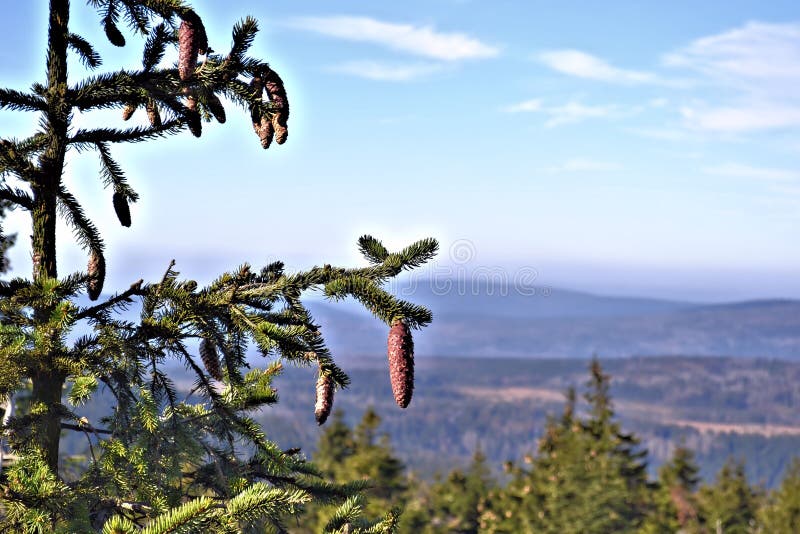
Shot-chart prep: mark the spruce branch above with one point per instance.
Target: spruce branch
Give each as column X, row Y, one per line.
column 129, row 135
column 16, row 196
column 19, row 101
column 86, row 52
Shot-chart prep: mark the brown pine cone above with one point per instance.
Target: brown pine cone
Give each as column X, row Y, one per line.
column 152, row 114
column 122, row 209
column 210, row 357
column 216, row 109
column 265, row 131
column 401, row 362
column 324, row 400
column 97, row 275
column 188, row 48
column 127, row 113
column 277, row 96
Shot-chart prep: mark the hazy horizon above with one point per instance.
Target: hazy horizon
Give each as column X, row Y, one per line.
column 617, row 150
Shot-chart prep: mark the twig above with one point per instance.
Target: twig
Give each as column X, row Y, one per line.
column 135, row 289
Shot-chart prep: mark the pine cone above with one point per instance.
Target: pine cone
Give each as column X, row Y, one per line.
column 265, row 131
column 401, row 362
column 216, row 109
column 97, row 275
column 194, row 121
column 324, row 401
column 152, row 114
column 127, row 113
column 188, row 48
column 210, row 357
column 122, row 209
column 115, row 36
column 277, row 95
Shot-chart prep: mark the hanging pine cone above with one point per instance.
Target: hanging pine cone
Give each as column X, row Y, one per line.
column 97, row 275
column 122, row 209
column 187, row 49
column 152, row 114
column 401, row 362
column 194, row 122
column 324, row 401
column 216, row 109
column 277, row 96
column 127, row 113
column 115, row 36
column 265, row 131
column 210, row 357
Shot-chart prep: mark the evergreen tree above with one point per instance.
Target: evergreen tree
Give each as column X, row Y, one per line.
column 360, row 454
column 730, row 504
column 159, row 462
column 781, row 513
column 674, row 503
column 455, row 504
column 587, row 477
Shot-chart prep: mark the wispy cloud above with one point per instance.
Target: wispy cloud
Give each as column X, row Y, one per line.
column 583, row 165
column 749, row 55
column 744, row 117
column 376, row 70
column 573, row 112
column 759, row 60
column 569, row 113
column 739, row 170
column 423, row 41
column 583, row 65
column 527, row 106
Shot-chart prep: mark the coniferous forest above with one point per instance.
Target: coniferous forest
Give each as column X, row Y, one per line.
column 587, row 474
column 100, row 433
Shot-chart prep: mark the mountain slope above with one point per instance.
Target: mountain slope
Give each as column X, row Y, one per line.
column 567, row 324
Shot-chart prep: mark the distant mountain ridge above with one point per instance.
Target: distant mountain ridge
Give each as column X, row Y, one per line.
column 556, row 323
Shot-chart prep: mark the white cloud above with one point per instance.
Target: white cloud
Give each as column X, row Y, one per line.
column 583, row 165
column 568, row 113
column 755, row 53
column 739, row 170
column 527, row 106
column 760, row 62
column 375, row 70
column 423, row 41
column 745, row 117
column 583, row 65
column 573, row 112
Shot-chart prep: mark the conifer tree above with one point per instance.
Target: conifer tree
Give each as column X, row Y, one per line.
column 674, row 502
column 781, row 512
column 455, row 504
column 361, row 454
column 160, row 463
column 588, row 476
column 730, row 504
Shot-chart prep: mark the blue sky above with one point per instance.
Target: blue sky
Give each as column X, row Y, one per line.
column 646, row 148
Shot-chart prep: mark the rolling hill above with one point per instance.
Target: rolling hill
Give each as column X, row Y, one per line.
column 567, row 324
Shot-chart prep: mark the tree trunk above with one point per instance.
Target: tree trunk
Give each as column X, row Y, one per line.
column 48, row 381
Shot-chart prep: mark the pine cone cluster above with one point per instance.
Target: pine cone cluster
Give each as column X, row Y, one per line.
column 324, row 400
column 210, row 357
column 97, row 275
column 122, row 209
column 273, row 125
column 401, row 362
